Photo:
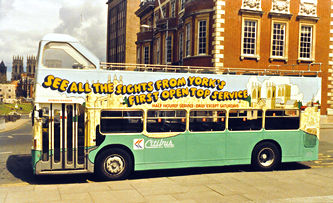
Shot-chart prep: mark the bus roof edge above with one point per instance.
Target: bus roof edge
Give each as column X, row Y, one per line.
column 56, row 37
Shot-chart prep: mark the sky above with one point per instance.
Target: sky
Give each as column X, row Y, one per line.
column 24, row 23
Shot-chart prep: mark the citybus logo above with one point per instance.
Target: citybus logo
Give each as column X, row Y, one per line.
column 138, row 144
column 158, row 144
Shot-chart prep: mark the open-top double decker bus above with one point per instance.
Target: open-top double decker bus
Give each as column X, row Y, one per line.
column 116, row 118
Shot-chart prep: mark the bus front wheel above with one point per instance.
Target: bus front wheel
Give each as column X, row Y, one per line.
column 114, row 164
column 266, row 156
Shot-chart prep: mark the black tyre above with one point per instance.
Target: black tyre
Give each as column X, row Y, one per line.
column 114, row 164
column 266, row 156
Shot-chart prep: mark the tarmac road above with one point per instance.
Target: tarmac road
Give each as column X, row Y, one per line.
column 15, row 148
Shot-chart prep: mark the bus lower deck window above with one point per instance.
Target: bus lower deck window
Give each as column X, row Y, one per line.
column 121, row 121
column 166, row 121
column 282, row 120
column 244, row 120
column 207, row 120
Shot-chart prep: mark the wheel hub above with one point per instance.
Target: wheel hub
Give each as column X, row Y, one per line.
column 114, row 165
column 266, row 157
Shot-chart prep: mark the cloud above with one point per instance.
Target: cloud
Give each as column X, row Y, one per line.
column 17, row 43
column 24, row 23
column 87, row 23
column 5, row 7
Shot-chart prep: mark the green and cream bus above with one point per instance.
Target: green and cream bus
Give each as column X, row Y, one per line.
column 114, row 119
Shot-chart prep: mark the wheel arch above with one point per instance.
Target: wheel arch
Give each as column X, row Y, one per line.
column 114, row 146
column 271, row 141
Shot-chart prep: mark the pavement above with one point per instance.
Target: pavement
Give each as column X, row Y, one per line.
column 304, row 185
column 293, row 182
column 13, row 125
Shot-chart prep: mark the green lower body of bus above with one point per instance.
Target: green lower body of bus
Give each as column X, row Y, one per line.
column 191, row 149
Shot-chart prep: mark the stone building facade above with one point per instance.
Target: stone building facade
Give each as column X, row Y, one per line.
column 247, row 34
column 7, row 93
column 122, row 26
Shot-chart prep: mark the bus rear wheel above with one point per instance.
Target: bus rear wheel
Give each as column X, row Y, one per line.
column 114, row 164
column 266, row 156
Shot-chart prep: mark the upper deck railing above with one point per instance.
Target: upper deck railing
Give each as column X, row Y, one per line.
column 309, row 70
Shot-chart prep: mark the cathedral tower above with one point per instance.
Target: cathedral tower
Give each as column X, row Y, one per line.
column 31, row 65
column 17, row 67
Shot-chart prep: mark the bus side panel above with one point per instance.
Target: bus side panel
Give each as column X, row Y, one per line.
column 239, row 146
column 290, row 141
column 206, row 146
column 149, row 153
column 310, row 147
column 36, row 157
column 123, row 140
column 166, row 153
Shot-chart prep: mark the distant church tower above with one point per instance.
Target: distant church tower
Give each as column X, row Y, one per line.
column 31, row 65
column 271, row 95
column 255, row 94
column 17, row 67
column 3, row 72
column 284, row 93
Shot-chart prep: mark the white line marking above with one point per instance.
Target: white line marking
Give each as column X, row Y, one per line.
column 6, row 152
column 10, row 137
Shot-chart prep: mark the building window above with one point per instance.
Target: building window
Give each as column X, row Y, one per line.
column 169, row 49
column 188, row 40
column 182, row 4
column 181, row 38
column 150, row 24
column 173, row 8
column 146, row 54
column 164, row 12
column 158, row 50
column 156, row 18
column 249, row 41
column 138, row 55
column 202, row 40
column 117, row 28
column 306, row 42
column 279, row 40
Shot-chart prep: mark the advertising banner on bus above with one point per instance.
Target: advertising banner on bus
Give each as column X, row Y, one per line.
column 122, row 89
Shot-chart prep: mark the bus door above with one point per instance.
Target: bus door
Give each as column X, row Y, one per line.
column 65, row 137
